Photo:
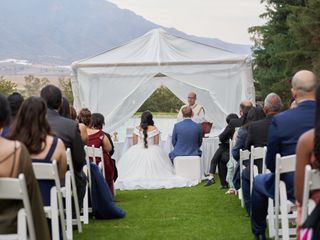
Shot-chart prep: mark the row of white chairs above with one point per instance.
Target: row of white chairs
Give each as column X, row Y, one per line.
column 11, row 188
column 16, row 189
column 91, row 152
column 281, row 212
column 285, row 211
column 254, row 154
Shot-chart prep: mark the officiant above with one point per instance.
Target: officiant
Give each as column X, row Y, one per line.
column 198, row 113
column 198, row 110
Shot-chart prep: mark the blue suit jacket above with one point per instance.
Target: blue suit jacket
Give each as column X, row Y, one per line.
column 284, row 133
column 186, row 139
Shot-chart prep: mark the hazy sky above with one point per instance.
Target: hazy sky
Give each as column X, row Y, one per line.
column 227, row 20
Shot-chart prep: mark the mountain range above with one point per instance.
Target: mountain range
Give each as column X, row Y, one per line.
column 62, row 31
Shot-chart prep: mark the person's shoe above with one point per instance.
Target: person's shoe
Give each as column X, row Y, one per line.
column 231, row 191
column 260, row 237
column 210, row 182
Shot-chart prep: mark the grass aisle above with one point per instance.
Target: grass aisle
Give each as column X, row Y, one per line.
column 184, row 213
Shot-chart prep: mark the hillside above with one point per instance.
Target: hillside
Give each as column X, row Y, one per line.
column 60, row 32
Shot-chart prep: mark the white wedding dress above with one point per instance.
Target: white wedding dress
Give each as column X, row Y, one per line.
column 148, row 168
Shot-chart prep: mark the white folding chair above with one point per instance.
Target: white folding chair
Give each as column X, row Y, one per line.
column 16, row 189
column 284, row 164
column 244, row 155
column 69, row 191
column 47, row 171
column 86, row 210
column 94, row 153
column 264, row 167
column 256, row 153
column 188, row 167
column 311, row 183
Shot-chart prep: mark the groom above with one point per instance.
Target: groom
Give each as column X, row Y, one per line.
column 186, row 136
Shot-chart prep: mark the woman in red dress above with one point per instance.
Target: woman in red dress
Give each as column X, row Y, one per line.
column 97, row 138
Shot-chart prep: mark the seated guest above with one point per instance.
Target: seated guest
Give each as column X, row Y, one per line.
column 186, row 136
column 97, row 138
column 284, row 132
column 64, row 110
column 254, row 114
column 241, row 135
column 68, row 131
column 15, row 100
column 308, row 152
column 69, row 112
column 231, row 128
column 32, row 129
column 221, row 156
column 73, row 113
column 145, row 165
column 238, row 122
column 258, row 137
column 97, row 121
column 15, row 159
column 83, row 133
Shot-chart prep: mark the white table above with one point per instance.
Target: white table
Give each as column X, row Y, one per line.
column 209, row 147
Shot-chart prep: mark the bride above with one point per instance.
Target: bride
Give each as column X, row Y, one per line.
column 145, row 165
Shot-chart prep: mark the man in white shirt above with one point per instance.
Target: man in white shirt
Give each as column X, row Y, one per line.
column 198, row 110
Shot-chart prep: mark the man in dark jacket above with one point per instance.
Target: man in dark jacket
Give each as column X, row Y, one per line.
column 221, row 156
column 68, row 131
column 284, row 131
column 258, row 137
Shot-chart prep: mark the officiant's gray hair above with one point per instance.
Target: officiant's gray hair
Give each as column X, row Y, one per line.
column 187, row 112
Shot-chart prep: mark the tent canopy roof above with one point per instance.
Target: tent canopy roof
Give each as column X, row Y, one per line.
column 158, row 47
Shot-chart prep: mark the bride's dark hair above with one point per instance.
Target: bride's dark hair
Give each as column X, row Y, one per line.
column 146, row 120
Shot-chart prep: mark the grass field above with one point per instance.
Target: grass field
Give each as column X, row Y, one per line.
column 185, row 213
column 159, row 114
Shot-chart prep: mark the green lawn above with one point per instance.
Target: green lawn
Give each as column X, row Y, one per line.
column 159, row 114
column 185, row 213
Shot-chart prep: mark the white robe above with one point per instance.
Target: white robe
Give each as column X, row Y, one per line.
column 198, row 113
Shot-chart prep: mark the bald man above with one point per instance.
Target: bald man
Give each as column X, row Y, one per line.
column 284, row 132
column 235, row 123
column 198, row 110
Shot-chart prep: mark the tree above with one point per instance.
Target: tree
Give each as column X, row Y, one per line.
column 304, row 25
column 7, row 87
column 33, row 85
column 162, row 100
column 65, row 86
column 275, row 48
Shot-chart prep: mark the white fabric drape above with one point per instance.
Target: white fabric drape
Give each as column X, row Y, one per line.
column 117, row 82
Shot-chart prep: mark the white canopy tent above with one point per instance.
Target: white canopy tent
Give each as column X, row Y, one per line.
column 118, row 81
